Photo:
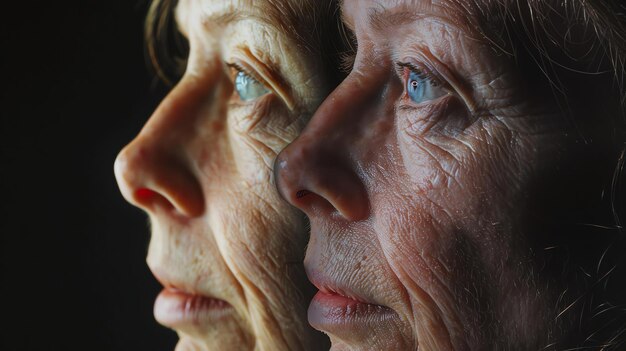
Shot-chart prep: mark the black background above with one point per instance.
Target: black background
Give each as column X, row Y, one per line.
column 75, row 90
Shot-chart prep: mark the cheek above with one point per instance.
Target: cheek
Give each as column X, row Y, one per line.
column 468, row 171
column 431, row 152
column 422, row 248
column 258, row 231
column 255, row 231
column 258, row 133
column 455, row 203
column 262, row 242
column 458, row 187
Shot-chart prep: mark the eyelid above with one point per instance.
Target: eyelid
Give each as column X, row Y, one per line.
column 264, row 75
column 422, row 73
column 438, row 72
column 240, row 68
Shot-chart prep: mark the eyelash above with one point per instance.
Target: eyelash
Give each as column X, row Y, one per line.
column 239, row 68
column 421, row 73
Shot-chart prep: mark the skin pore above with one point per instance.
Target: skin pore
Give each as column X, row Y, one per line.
column 201, row 169
column 433, row 178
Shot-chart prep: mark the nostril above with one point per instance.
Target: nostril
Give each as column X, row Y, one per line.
column 151, row 178
column 150, row 200
column 312, row 203
column 145, row 195
column 302, row 193
column 320, row 186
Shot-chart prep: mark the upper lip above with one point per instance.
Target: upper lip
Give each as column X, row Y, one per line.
column 325, row 284
column 170, row 281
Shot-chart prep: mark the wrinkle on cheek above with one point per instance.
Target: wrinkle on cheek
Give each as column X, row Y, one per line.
column 435, row 145
column 259, row 144
column 250, row 154
column 485, row 157
column 499, row 92
column 421, row 245
column 258, row 255
column 278, row 127
column 411, row 247
column 429, row 166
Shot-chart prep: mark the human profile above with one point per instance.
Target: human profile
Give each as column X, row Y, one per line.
column 457, row 181
column 227, row 249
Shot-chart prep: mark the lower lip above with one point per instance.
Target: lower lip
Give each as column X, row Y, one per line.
column 176, row 309
column 335, row 313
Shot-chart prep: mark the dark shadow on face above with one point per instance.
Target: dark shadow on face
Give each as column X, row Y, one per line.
column 460, row 228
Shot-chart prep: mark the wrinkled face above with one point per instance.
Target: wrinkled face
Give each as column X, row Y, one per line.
column 226, row 248
column 421, row 175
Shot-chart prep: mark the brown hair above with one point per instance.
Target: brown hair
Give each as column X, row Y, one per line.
column 565, row 43
column 583, row 36
column 166, row 49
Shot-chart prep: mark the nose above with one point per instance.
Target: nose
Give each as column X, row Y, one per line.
column 153, row 178
column 320, row 171
column 156, row 171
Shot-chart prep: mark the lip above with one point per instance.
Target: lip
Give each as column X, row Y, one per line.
column 182, row 306
column 180, row 310
column 337, row 309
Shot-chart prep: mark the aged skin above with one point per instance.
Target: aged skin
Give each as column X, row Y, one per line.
column 420, row 175
column 227, row 249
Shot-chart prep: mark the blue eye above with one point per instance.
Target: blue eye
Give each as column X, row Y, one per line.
column 248, row 88
column 421, row 87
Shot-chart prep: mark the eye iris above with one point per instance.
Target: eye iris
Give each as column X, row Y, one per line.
column 415, row 88
column 248, row 88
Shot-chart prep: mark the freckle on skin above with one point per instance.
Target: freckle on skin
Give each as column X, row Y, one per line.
column 217, row 126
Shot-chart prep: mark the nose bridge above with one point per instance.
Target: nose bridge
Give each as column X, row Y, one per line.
column 317, row 170
column 195, row 97
column 342, row 115
column 157, row 169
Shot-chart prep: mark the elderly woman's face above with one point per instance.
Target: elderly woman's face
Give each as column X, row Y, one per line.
column 226, row 248
column 419, row 175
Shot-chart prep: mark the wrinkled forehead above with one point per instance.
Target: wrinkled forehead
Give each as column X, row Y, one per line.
column 378, row 15
column 281, row 14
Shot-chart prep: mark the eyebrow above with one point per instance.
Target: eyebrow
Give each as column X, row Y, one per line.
column 382, row 19
column 222, row 19
column 227, row 17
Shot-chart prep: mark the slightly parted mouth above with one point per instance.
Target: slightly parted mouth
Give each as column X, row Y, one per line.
column 332, row 291
column 179, row 306
column 179, row 310
column 339, row 310
column 331, row 287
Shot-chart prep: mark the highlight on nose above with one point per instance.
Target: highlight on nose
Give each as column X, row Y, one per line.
column 317, row 184
column 153, row 180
